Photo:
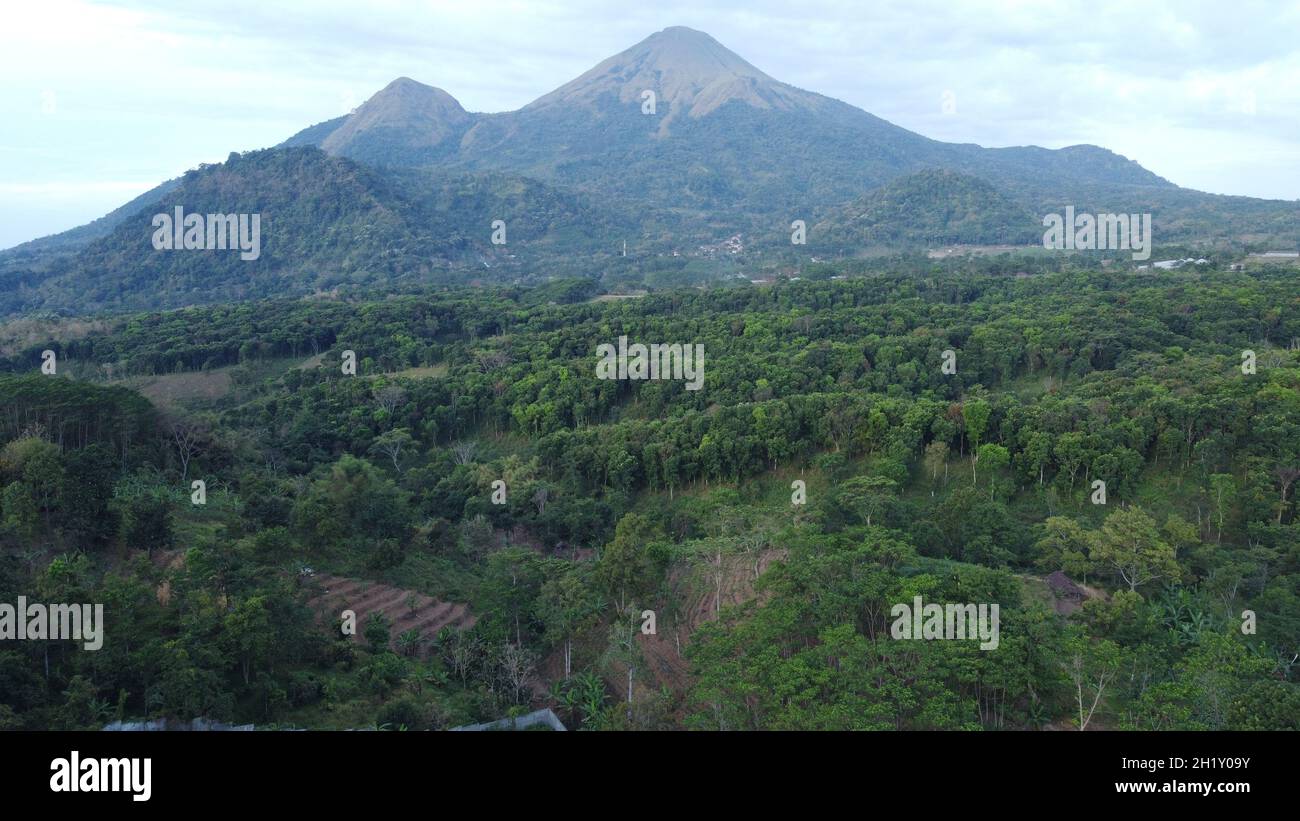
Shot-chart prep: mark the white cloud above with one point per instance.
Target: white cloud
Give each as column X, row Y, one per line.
column 74, row 190
column 1204, row 94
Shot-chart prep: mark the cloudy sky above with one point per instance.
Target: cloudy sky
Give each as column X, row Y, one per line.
column 103, row 100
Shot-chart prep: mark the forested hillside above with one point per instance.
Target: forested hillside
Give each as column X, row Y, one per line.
column 949, row 430
column 673, row 152
column 325, row 223
column 927, row 209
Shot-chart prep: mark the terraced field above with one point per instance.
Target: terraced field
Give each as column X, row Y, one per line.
column 405, row 609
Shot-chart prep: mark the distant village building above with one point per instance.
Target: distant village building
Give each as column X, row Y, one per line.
column 1170, row 264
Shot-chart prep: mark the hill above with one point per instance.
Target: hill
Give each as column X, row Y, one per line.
column 675, row 144
column 932, row 207
column 325, row 221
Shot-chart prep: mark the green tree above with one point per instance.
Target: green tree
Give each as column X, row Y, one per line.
column 993, row 458
column 1091, row 668
column 624, row 568
column 512, row 579
column 393, row 444
column 249, row 635
column 21, row 513
column 1064, row 546
column 87, row 494
column 378, row 632
column 354, row 501
column 564, row 604
column 868, row 495
column 147, row 521
column 1131, row 545
column 936, row 458
column 1223, row 489
column 975, row 413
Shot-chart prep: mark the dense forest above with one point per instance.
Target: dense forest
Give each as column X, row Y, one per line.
column 326, row 223
column 331, row 225
column 1111, row 457
column 927, row 209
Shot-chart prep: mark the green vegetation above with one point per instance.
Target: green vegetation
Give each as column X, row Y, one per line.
column 621, row 497
column 928, row 208
column 326, row 223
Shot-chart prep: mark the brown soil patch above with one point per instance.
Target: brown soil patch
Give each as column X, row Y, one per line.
column 405, row 609
column 698, row 594
column 172, row 389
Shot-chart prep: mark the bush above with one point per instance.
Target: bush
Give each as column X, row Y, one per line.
column 405, row 712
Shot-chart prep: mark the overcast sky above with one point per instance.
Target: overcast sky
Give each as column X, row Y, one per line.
column 101, row 101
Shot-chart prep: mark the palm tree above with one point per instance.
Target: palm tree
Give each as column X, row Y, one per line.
column 590, row 691
column 409, row 642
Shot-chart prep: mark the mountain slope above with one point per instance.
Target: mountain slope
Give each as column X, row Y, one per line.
column 688, row 71
column 932, row 207
column 325, row 222
column 723, row 141
column 313, row 135
column 721, row 135
column 72, row 239
column 404, row 124
column 725, row 149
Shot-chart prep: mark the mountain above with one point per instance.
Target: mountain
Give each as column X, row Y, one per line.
column 720, row 149
column 690, row 73
column 723, row 141
column 324, row 222
column 729, row 149
column 406, row 124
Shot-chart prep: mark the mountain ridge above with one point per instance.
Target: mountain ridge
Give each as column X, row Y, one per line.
column 693, row 76
column 724, row 150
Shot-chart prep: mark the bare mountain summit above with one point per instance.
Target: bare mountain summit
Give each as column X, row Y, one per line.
column 689, row 72
column 405, row 116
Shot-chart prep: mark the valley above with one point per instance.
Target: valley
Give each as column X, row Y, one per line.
column 556, row 507
column 676, row 398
